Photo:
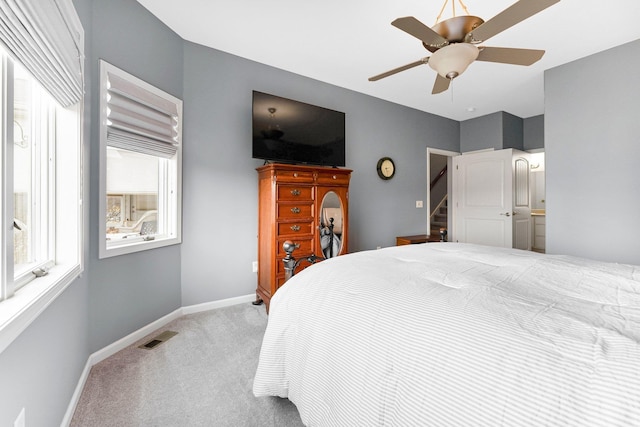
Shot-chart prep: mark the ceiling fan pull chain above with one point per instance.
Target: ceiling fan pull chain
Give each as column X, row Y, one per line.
column 451, row 87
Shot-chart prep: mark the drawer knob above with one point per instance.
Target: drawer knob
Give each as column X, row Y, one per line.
column 295, row 210
column 335, row 177
column 295, row 174
column 295, row 228
column 295, row 192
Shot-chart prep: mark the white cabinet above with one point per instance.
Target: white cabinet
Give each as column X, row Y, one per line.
column 538, row 232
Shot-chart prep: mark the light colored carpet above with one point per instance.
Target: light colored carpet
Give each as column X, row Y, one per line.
column 201, row 377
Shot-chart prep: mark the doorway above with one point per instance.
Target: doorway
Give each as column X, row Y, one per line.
column 538, row 208
column 439, row 176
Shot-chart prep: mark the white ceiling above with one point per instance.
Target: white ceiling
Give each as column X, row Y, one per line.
column 346, row 42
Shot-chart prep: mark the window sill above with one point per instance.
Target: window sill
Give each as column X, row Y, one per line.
column 17, row 312
column 135, row 244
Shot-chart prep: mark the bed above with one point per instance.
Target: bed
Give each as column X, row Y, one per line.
column 449, row 334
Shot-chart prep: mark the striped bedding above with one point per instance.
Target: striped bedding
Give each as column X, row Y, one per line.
column 448, row 334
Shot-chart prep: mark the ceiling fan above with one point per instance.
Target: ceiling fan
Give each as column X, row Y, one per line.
column 454, row 43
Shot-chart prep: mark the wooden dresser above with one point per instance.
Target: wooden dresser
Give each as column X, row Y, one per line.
column 290, row 207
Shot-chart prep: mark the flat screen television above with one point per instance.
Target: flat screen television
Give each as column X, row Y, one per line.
column 289, row 131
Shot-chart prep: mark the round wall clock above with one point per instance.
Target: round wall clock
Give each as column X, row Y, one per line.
column 386, row 168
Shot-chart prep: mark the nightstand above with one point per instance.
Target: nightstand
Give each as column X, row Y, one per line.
column 418, row 238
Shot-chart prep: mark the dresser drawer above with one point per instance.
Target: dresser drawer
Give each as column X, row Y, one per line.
column 295, row 228
column 333, row 179
column 290, row 176
column 295, row 192
column 305, row 249
column 293, row 211
column 280, row 280
column 304, row 264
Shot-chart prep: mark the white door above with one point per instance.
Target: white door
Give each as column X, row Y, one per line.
column 492, row 199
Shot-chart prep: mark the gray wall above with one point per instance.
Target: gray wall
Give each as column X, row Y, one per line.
column 130, row 291
column 512, row 131
column 114, row 297
column 498, row 130
column 592, row 153
column 39, row 371
column 533, row 133
column 481, row 133
column 220, row 214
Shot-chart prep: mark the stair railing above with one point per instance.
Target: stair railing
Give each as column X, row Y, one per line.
column 437, row 178
column 442, row 202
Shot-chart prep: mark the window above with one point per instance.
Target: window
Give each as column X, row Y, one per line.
column 33, row 140
column 140, row 168
column 41, row 90
column 41, row 195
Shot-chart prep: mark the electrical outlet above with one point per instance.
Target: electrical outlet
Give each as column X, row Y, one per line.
column 20, row 421
column 255, row 266
column 419, row 204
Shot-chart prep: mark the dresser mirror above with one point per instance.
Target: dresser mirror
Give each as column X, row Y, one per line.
column 331, row 225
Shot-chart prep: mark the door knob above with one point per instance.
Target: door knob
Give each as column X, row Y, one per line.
column 506, row 214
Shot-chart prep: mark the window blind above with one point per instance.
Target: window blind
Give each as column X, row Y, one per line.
column 140, row 117
column 47, row 38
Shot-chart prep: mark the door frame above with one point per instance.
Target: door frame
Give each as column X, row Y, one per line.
column 450, row 155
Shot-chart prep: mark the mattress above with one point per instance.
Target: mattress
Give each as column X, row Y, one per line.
column 448, row 334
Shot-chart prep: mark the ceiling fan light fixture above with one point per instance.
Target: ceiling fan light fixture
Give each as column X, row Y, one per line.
column 451, row 61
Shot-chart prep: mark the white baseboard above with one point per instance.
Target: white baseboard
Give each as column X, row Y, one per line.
column 76, row 394
column 125, row 342
column 130, row 339
column 218, row 304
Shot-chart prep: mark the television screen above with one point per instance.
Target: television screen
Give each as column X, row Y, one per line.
column 290, row 131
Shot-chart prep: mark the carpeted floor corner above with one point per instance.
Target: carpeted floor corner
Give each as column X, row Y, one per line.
column 203, row 376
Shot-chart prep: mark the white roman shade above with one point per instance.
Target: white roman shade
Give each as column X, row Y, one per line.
column 140, row 117
column 47, row 38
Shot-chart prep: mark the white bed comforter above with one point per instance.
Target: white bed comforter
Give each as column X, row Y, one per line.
column 447, row 334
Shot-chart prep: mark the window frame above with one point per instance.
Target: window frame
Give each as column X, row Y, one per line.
column 169, row 177
column 22, row 299
column 43, row 189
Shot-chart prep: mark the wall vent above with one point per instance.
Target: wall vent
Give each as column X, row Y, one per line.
column 156, row 341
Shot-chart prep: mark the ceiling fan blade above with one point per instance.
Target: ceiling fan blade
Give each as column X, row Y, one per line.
column 417, row 29
column 399, row 69
column 507, row 55
column 441, row 84
column 515, row 13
